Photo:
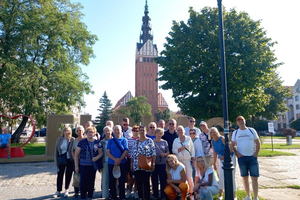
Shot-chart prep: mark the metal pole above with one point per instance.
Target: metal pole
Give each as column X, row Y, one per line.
column 227, row 164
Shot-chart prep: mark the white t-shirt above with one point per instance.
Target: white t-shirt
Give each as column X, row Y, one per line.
column 175, row 174
column 208, row 171
column 245, row 140
column 187, row 131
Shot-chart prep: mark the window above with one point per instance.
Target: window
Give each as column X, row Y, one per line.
column 297, row 107
column 296, row 98
column 144, row 59
column 147, row 59
column 151, row 59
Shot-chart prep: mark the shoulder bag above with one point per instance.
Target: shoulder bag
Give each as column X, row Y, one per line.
column 62, row 159
column 144, row 162
column 98, row 163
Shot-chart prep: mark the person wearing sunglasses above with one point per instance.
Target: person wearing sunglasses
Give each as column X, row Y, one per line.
column 126, row 129
column 197, row 146
column 192, row 122
column 206, row 143
column 171, row 134
column 151, row 132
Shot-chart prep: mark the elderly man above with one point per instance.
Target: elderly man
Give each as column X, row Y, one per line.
column 126, row 129
column 5, row 140
column 161, row 124
column 192, row 122
column 171, row 134
column 248, row 146
column 206, row 143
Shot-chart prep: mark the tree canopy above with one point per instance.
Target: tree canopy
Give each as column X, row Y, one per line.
column 136, row 108
column 191, row 66
column 42, row 45
column 165, row 115
column 105, row 111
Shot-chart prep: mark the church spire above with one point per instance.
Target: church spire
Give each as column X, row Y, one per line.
column 146, row 27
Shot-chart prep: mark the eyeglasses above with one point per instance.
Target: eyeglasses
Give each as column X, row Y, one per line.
column 240, row 120
column 192, row 121
column 91, row 132
column 125, row 124
column 135, row 131
column 171, row 124
column 151, row 127
column 192, row 133
column 199, row 161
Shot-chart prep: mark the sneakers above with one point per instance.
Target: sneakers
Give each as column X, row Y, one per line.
column 57, row 193
column 220, row 198
column 128, row 194
column 8, row 157
column 247, row 198
column 66, row 194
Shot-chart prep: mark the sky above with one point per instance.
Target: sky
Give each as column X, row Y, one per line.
column 117, row 24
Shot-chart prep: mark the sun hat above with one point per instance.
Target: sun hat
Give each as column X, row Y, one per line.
column 116, row 171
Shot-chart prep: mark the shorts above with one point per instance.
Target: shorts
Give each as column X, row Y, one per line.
column 248, row 164
column 3, row 145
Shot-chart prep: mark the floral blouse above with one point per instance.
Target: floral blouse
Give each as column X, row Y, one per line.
column 145, row 148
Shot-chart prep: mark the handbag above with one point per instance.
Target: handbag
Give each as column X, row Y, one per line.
column 144, row 162
column 98, row 163
column 61, row 159
column 76, row 179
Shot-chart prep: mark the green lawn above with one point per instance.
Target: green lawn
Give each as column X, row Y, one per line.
column 280, row 146
column 270, row 153
column 33, row 148
column 240, row 195
column 278, row 137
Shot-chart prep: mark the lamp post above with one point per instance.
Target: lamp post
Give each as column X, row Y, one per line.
column 227, row 165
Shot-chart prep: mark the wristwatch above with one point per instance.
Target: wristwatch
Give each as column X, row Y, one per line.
column 153, row 163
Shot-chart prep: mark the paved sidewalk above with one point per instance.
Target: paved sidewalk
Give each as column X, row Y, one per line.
column 38, row 180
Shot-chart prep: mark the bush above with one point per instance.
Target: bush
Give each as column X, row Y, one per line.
column 289, row 131
column 33, row 140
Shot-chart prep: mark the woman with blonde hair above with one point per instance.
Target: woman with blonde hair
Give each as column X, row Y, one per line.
column 183, row 148
column 63, row 159
column 176, row 178
column 151, row 132
column 206, row 184
column 218, row 143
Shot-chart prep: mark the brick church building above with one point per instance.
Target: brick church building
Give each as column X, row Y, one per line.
column 145, row 70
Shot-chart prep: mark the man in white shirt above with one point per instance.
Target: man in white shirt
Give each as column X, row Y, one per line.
column 206, row 143
column 192, row 123
column 126, row 129
column 248, row 147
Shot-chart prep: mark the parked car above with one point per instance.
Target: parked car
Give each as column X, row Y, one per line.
column 298, row 133
column 40, row 133
column 26, row 132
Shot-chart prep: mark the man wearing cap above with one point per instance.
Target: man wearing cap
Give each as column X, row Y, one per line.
column 248, row 146
column 192, row 122
column 206, row 143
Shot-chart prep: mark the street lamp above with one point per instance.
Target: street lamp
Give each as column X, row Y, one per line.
column 227, row 165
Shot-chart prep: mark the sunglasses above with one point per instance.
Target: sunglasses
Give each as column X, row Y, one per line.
column 125, row 124
column 192, row 121
column 240, row 120
column 192, row 133
column 171, row 124
column 135, row 131
column 152, row 127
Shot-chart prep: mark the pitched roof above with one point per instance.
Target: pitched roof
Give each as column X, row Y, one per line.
column 122, row 102
column 161, row 101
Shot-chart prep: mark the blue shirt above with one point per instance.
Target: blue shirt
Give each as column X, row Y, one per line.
column 85, row 156
column 114, row 149
column 4, row 138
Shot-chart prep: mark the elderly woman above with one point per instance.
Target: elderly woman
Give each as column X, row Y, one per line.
column 131, row 147
column 218, row 143
column 162, row 151
column 76, row 177
column 145, row 147
column 88, row 150
column 183, row 148
column 63, row 148
column 151, row 133
column 206, row 184
column 117, row 150
column 107, row 130
column 176, row 178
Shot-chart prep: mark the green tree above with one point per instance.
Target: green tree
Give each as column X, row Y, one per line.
column 165, row 115
column 105, row 111
column 42, row 45
column 191, row 64
column 136, row 108
column 295, row 124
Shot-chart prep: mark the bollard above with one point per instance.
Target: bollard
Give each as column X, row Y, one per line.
column 288, row 140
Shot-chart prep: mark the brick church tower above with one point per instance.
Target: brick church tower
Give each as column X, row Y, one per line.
column 145, row 68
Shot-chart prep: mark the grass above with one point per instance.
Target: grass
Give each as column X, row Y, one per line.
column 280, row 146
column 278, row 137
column 33, row 148
column 294, row 187
column 240, row 194
column 270, row 153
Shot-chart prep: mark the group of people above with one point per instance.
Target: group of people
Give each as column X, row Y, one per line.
column 182, row 161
